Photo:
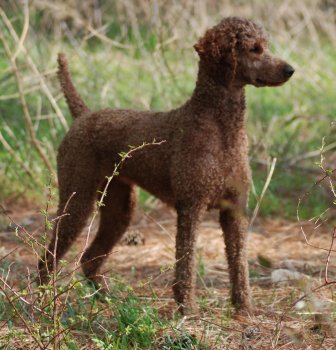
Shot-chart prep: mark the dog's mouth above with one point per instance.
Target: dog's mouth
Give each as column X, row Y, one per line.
column 261, row 82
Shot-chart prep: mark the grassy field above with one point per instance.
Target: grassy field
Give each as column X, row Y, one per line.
column 138, row 54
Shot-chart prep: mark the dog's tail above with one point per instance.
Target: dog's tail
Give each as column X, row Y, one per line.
column 76, row 104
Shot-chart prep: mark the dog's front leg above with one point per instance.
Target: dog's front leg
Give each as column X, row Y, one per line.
column 234, row 225
column 185, row 274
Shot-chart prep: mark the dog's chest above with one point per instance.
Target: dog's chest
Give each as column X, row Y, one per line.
column 207, row 163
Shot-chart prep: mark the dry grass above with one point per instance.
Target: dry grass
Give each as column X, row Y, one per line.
column 276, row 324
column 186, row 19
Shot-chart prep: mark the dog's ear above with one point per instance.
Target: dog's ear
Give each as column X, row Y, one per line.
column 208, row 47
column 230, row 58
column 219, row 47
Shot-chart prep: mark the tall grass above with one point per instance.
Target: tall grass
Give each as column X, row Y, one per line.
column 138, row 54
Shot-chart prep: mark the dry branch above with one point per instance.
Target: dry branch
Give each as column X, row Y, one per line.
column 24, row 105
column 35, row 70
column 10, row 150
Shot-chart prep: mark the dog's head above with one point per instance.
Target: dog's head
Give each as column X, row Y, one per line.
column 235, row 52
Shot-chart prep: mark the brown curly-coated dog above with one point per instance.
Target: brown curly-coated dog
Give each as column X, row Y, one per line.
column 202, row 164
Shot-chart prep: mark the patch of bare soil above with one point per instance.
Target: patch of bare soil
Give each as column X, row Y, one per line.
column 283, row 267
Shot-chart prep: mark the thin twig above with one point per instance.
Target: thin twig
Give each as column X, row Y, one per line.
column 19, row 314
column 24, row 105
column 328, row 257
column 13, row 154
column 35, row 70
column 327, row 175
column 24, row 30
column 268, row 180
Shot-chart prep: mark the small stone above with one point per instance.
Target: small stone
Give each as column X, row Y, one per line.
column 285, row 275
column 133, row 237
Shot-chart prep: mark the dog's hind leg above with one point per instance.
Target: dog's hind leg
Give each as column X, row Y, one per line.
column 115, row 216
column 77, row 194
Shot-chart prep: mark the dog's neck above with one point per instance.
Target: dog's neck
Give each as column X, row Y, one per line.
column 225, row 102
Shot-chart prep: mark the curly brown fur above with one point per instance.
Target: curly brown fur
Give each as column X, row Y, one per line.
column 76, row 104
column 202, row 164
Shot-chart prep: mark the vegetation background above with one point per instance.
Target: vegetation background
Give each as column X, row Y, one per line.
column 138, row 54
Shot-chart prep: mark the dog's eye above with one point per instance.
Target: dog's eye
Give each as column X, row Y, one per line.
column 256, row 49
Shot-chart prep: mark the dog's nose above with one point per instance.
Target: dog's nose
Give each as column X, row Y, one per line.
column 288, row 71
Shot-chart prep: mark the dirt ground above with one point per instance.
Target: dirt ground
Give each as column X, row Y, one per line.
column 276, row 250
